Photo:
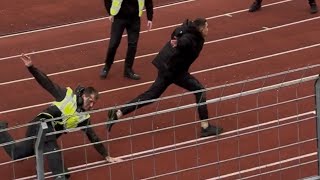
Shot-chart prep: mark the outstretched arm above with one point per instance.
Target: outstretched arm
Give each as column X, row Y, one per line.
column 56, row 91
column 99, row 146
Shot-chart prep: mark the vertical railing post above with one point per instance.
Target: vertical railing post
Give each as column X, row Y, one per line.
column 39, row 149
column 317, row 89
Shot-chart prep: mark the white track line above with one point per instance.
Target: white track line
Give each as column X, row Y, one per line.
column 267, row 166
column 234, row 173
column 105, row 39
column 155, row 53
column 285, row 168
column 83, row 22
column 196, row 72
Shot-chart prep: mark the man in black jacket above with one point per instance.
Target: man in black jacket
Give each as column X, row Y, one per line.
column 173, row 62
column 257, row 6
column 68, row 104
column 125, row 14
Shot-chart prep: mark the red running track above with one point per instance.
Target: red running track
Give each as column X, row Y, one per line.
column 37, row 14
column 249, row 50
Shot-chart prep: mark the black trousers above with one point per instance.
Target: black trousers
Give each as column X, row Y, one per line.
column 26, row 148
column 161, row 83
column 132, row 26
column 310, row 1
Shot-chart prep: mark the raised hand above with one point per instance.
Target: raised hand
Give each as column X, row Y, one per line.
column 149, row 25
column 26, row 59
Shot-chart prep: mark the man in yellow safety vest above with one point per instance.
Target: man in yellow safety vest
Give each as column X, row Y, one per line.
column 68, row 104
column 125, row 14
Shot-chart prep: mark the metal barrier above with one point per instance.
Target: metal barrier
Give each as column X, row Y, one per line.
column 39, row 150
column 199, row 142
column 317, row 92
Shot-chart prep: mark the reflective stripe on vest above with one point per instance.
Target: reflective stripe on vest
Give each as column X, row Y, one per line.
column 116, row 5
column 68, row 108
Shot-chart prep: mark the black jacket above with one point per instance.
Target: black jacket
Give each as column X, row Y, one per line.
column 59, row 93
column 130, row 9
column 179, row 59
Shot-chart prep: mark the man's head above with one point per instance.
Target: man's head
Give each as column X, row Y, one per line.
column 90, row 97
column 202, row 25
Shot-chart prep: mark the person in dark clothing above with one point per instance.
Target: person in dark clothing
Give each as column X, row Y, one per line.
column 173, row 62
column 125, row 14
column 68, row 104
column 257, row 6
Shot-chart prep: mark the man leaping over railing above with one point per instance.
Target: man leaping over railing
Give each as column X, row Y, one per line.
column 173, row 63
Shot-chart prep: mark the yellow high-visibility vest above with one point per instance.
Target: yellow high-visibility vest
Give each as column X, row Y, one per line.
column 68, row 107
column 116, row 5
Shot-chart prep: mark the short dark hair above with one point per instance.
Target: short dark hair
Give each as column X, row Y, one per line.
column 91, row 90
column 199, row 23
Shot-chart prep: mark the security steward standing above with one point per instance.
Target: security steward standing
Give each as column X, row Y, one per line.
column 173, row 63
column 67, row 104
column 125, row 14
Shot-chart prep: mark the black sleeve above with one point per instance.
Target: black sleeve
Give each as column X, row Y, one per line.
column 175, row 33
column 184, row 43
column 183, row 48
column 94, row 138
column 107, row 4
column 164, row 56
column 149, row 8
column 178, row 32
column 56, row 91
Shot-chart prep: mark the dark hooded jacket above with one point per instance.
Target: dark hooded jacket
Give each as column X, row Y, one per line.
column 178, row 60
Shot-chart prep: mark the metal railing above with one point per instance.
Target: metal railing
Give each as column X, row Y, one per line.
column 299, row 117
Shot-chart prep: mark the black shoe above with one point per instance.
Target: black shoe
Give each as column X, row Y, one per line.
column 313, row 8
column 3, row 125
column 104, row 73
column 211, row 131
column 255, row 6
column 128, row 73
column 112, row 116
column 61, row 177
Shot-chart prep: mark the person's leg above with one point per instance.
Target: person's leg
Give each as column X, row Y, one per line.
column 313, row 6
column 255, row 6
column 155, row 91
column 21, row 149
column 117, row 29
column 133, row 31
column 190, row 83
column 55, row 161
